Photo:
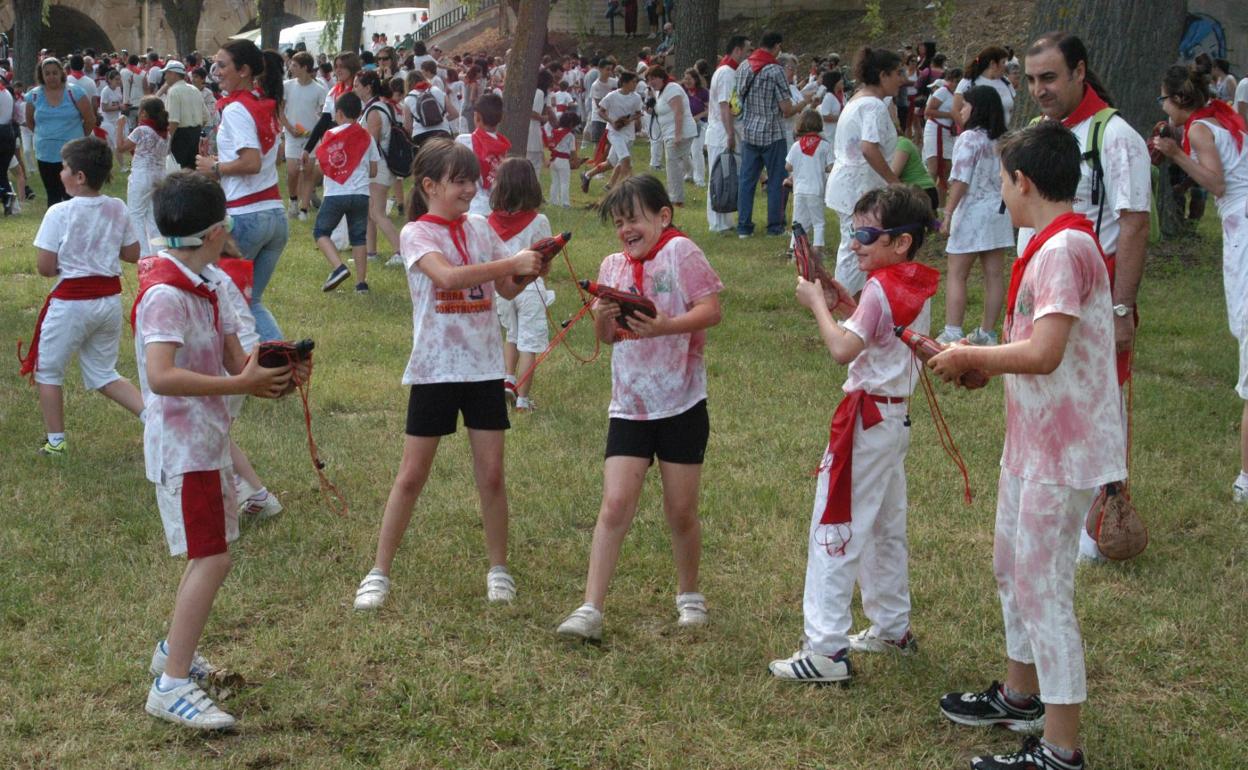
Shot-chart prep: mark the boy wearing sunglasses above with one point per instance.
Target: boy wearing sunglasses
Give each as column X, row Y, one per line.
column 1063, row 440
column 858, row 525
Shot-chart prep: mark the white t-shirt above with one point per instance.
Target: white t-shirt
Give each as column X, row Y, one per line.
column 667, row 116
column 809, row 171
column 1066, row 427
column 1128, row 180
column 238, row 132
column 131, row 87
column 110, row 103
column 184, row 433
column 1002, row 87
column 455, row 333
column 409, row 104
column 1241, row 93
column 538, row 229
column 87, row 234
column 865, row 119
column 481, row 201
column 535, row 126
column 86, row 83
column 616, row 105
column 150, row 151
column 597, row 91
column 303, row 103
column 357, row 183
column 386, row 111
column 562, row 101
column 6, row 107
column 228, row 291
column 720, row 93
column 1232, row 207
column 885, row 367
column 661, row 376
column 978, row 222
column 155, row 77
column 830, row 107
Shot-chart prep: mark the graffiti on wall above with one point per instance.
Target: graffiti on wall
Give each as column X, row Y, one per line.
column 1203, row 34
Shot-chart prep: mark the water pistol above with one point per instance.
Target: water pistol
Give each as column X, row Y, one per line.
column 548, row 247
column 629, row 303
column 925, row 347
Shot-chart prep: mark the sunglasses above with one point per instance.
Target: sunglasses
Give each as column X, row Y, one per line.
column 869, row 235
column 383, row 58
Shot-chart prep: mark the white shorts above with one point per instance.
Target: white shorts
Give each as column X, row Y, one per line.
column 524, row 318
column 89, row 327
column 620, row 150
column 384, row 177
column 294, row 146
column 199, row 512
column 1242, row 386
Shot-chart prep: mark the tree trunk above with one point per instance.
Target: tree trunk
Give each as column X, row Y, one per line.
column 352, row 24
column 271, row 22
column 527, row 45
column 1129, row 45
column 27, row 27
column 183, row 19
column 695, row 24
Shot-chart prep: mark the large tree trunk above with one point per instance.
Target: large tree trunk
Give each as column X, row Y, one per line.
column 183, row 19
column 271, row 22
column 527, row 45
column 28, row 24
column 352, row 24
column 1129, row 45
column 696, row 22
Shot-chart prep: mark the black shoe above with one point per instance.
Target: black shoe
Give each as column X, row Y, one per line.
column 987, row 708
column 361, row 288
column 30, row 194
column 336, row 276
column 1033, row 756
column 8, row 203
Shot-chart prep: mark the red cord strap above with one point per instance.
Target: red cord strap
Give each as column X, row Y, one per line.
column 587, row 302
column 942, row 432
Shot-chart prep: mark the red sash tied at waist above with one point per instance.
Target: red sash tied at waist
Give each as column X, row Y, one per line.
column 268, row 194
column 87, row 287
column 841, row 446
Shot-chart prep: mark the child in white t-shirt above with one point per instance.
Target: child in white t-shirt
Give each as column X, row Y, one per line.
column 621, row 110
column 938, row 130
column 858, row 526
column 658, row 392
column 563, row 145
column 81, row 241
column 808, row 163
column 455, row 266
column 149, row 143
column 348, row 158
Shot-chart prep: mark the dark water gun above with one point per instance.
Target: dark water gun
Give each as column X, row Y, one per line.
column 549, row 248
column 630, row 304
column 925, row 347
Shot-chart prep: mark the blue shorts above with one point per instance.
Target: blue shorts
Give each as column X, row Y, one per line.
column 334, row 208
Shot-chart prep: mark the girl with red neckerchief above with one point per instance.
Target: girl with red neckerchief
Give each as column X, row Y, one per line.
column 149, row 143
column 658, row 393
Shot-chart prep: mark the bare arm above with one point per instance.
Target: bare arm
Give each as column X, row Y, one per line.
column 843, row 345
column 703, row 314
column 955, row 113
column 87, row 113
column 1128, row 271
column 450, row 277
column 1039, row 354
column 123, row 140
column 247, row 162
column 130, row 253
column 45, row 263
column 1207, row 172
column 957, row 191
column 900, row 159
column 166, row 379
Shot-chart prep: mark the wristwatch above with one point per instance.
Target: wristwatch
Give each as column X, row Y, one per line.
column 1122, row 311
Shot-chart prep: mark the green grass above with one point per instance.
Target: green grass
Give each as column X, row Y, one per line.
column 439, row 679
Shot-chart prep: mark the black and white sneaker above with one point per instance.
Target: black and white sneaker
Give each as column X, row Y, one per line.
column 808, row 666
column 987, row 708
column 336, row 276
column 1033, row 756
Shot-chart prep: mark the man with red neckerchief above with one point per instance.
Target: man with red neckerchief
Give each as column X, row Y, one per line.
column 1066, row 90
column 721, row 128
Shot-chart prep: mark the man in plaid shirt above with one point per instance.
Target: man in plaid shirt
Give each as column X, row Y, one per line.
column 765, row 103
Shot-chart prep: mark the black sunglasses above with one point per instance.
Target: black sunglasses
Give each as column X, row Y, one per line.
column 869, row 235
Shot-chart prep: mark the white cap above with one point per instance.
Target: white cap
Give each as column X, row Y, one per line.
column 173, row 65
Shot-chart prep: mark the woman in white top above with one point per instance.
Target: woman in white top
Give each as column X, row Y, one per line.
column 110, row 105
column 833, row 103
column 676, row 129
column 865, row 140
column 800, row 100
column 539, row 114
column 986, row 69
column 377, row 118
column 938, row 130
column 1213, row 151
column 977, row 225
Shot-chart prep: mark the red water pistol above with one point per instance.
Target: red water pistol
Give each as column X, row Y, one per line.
column 629, row 303
column 925, row 347
column 548, row 247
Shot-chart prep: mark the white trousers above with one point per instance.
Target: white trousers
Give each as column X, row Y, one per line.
column 139, row 204
column 560, row 178
column 809, row 213
column 697, row 158
column 876, row 555
column 847, row 271
column 716, row 221
column 1033, row 558
column 656, row 153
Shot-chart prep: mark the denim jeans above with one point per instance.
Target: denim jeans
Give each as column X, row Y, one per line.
column 334, row 208
column 753, row 159
column 261, row 236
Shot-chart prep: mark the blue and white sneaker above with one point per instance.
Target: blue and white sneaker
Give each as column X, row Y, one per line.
column 201, row 669
column 187, row 705
column 808, row 666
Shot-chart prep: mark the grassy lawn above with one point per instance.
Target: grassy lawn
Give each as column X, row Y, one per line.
column 440, row 679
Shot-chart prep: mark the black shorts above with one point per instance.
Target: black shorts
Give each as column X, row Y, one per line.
column 680, row 438
column 934, row 197
column 433, row 409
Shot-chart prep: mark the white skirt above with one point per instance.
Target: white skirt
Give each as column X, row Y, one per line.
column 979, row 226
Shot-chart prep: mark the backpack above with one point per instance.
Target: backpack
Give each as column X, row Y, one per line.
column 400, row 153
column 723, row 187
column 426, row 111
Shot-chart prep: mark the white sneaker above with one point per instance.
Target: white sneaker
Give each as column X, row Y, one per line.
column 292, row 208
column 585, row 623
column 1239, row 495
column 1089, row 552
column 950, row 336
column 813, row 667
column 264, row 508
column 201, row 669
column 692, row 610
column 396, row 260
column 867, row 641
column 303, row 216
column 372, row 591
column 981, row 337
column 187, row 705
column 524, row 404
column 500, row 586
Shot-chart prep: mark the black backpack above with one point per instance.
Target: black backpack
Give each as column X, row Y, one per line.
column 401, row 152
column 427, row 112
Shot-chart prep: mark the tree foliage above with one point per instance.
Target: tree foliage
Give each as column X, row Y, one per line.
column 874, row 19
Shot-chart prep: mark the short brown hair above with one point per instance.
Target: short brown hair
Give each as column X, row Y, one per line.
column 91, row 156
column 516, row 187
column 490, row 108
column 305, row 60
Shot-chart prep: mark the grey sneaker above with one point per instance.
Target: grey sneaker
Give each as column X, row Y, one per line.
column 950, row 336
column 585, row 624
column 1239, row 495
column 500, row 586
column 692, row 610
column 981, row 337
column 867, row 641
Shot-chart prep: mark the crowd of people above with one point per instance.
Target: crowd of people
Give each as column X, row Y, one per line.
column 897, row 146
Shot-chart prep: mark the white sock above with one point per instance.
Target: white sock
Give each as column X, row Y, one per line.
column 511, row 380
column 259, row 494
column 56, row 438
column 167, row 682
column 499, row 568
column 1242, row 481
column 1087, row 546
column 242, row 488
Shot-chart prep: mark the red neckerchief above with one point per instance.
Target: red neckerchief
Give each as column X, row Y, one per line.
column 99, row 133
column 809, row 143
column 638, row 264
column 1226, row 117
column 421, row 86
column 339, row 89
column 339, row 152
column 761, row 58
column 509, row 224
column 136, row 69
column 490, row 150
column 840, row 98
column 263, row 112
column 907, row 285
column 161, row 270
column 87, row 287
column 1091, row 104
column 241, row 271
column 76, row 73
column 152, row 125
column 459, row 236
column 556, row 136
column 728, row 61
column 1068, row 221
